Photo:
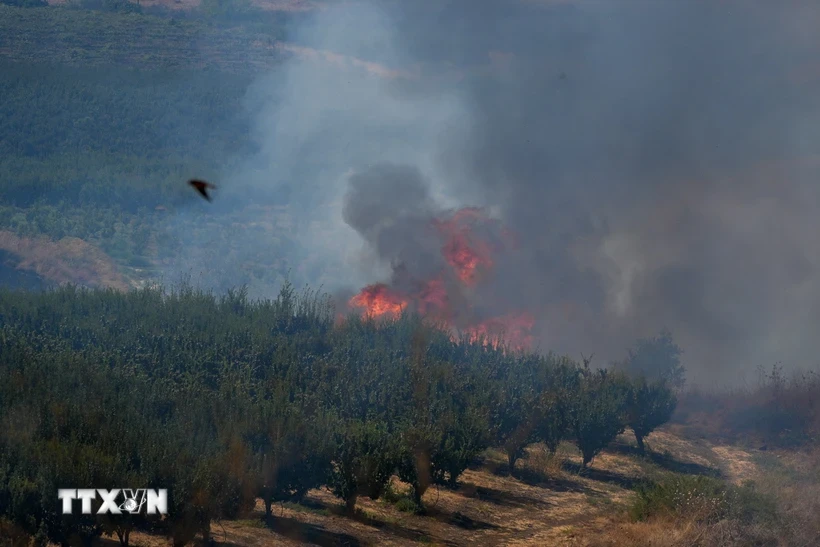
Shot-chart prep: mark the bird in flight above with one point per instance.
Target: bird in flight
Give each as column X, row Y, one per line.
column 202, row 187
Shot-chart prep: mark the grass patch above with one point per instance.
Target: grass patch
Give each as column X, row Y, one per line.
column 250, row 523
column 540, row 462
column 299, row 508
column 401, row 500
column 703, row 499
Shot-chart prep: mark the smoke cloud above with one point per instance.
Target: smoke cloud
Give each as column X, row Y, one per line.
column 657, row 163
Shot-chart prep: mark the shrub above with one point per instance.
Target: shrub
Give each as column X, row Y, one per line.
column 703, row 499
column 650, row 405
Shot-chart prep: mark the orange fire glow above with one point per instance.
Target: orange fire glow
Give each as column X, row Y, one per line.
column 470, row 257
column 378, row 300
column 467, row 254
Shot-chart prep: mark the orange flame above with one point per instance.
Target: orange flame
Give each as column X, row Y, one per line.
column 465, row 253
column 378, row 300
column 470, row 256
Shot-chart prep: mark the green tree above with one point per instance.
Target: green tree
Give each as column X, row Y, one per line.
column 651, row 405
column 599, row 413
column 366, row 456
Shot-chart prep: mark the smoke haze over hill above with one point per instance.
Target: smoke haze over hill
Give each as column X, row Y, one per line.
column 657, row 163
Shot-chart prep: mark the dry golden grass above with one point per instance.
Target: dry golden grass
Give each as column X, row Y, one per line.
column 69, row 260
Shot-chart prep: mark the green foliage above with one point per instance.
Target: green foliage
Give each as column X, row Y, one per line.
column 463, row 438
column 555, row 405
column 366, row 456
column 651, row 404
column 704, row 499
column 226, row 399
column 407, row 505
column 291, row 452
column 599, row 413
column 113, row 138
column 513, row 417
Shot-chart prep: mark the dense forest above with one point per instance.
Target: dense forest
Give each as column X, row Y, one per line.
column 224, row 400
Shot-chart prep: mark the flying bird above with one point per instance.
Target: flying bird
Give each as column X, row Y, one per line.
column 202, row 187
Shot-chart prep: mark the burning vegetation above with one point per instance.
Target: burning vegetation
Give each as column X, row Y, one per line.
column 470, row 242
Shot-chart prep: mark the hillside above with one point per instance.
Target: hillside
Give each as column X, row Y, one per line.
column 85, row 38
column 106, row 114
column 161, row 356
column 357, row 432
column 104, row 117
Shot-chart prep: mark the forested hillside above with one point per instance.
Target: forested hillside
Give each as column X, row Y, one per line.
column 105, row 114
column 225, row 400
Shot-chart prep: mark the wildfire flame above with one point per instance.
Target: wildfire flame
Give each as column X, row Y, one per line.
column 378, row 300
column 467, row 254
column 471, row 257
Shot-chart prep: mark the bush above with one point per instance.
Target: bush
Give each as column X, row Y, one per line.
column 702, row 499
column 650, row 405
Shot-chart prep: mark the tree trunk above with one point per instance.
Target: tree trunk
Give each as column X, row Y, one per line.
column 512, row 457
column 418, row 492
column 350, row 504
column 206, row 534
column 122, row 535
column 267, row 508
column 641, row 447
